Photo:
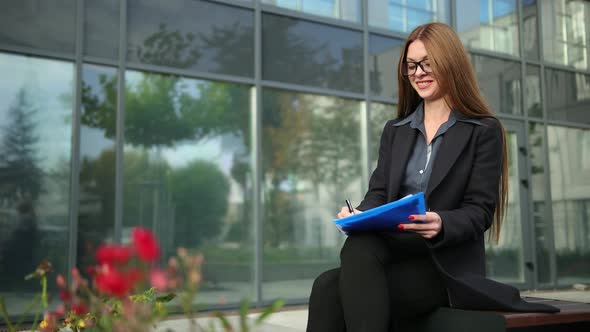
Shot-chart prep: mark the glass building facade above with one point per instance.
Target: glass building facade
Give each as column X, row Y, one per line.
column 238, row 128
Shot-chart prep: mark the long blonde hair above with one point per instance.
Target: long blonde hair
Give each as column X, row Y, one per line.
column 458, row 83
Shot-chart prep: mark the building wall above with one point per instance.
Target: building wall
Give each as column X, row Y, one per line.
column 238, row 128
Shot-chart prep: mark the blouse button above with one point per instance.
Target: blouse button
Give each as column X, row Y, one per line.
column 421, row 171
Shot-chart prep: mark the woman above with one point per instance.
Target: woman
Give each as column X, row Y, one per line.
column 447, row 144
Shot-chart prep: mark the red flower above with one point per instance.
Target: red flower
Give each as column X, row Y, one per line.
column 65, row 295
column 158, row 280
column 145, row 244
column 61, row 281
column 80, row 308
column 114, row 282
column 113, row 254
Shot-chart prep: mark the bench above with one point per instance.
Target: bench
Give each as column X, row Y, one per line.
column 574, row 317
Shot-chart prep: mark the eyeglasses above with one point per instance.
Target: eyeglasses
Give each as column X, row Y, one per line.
column 409, row 68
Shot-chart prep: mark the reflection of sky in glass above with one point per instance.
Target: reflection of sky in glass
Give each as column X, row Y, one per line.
column 49, row 84
column 422, row 4
column 499, row 8
column 320, row 7
column 341, row 9
column 418, row 17
column 181, row 153
column 92, row 140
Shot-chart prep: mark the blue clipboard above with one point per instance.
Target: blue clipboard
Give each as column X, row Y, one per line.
column 384, row 217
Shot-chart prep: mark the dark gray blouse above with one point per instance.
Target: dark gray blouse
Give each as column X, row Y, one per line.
column 419, row 165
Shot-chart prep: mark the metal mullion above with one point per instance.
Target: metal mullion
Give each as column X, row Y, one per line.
column 323, row 20
column 387, row 33
column 549, row 234
column 235, row 3
column 24, row 50
column 256, row 156
column 384, row 100
column 561, row 123
column 528, row 226
column 509, row 116
column 75, row 147
column 311, row 90
column 188, row 74
column 120, row 129
column 100, row 61
column 495, row 55
column 452, row 15
column 565, row 68
column 533, row 62
column 365, row 123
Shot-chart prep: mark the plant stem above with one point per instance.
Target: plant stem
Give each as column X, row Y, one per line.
column 5, row 315
column 26, row 312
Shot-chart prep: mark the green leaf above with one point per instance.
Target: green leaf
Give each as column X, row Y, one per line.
column 224, row 322
column 244, row 307
column 273, row 307
column 166, row 298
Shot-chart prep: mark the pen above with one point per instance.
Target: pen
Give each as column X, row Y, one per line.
column 350, row 209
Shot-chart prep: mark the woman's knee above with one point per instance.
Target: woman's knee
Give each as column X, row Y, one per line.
column 326, row 282
column 364, row 246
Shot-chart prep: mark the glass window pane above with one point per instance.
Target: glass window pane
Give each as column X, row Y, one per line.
column 384, row 56
column 504, row 260
column 530, row 31
column 404, row 16
column 35, row 148
column 96, row 211
column 569, row 160
column 101, row 28
column 348, row 10
column 380, row 114
column 48, row 24
column 499, row 81
column 532, row 91
column 541, row 218
column 311, row 159
column 495, row 29
column 187, row 174
column 301, row 52
column 565, row 29
column 568, row 95
column 189, row 34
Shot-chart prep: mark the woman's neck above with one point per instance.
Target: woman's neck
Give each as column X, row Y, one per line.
column 436, row 110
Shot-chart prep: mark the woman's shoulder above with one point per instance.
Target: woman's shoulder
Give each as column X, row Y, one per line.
column 490, row 121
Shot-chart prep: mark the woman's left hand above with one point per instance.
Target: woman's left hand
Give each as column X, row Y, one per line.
column 431, row 226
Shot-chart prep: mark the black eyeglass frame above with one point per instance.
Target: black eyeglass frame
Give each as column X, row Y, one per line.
column 418, row 64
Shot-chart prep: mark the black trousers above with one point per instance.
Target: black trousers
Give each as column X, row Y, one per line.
column 384, row 280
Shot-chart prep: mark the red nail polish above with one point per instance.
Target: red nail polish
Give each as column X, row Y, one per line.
column 411, row 217
column 400, row 227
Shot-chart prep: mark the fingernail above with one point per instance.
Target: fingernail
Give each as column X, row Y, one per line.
column 400, row 227
column 411, row 217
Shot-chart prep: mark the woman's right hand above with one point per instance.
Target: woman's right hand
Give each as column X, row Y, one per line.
column 345, row 213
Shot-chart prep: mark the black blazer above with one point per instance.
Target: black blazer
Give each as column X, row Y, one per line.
column 463, row 190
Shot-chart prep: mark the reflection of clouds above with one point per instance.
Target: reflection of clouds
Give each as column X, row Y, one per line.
column 181, row 154
column 46, row 82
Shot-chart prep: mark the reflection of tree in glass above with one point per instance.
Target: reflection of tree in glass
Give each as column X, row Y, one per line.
column 290, row 56
column 330, row 153
column 20, row 174
column 311, row 139
column 163, row 111
column 159, row 111
column 199, row 192
column 169, row 48
column 231, row 46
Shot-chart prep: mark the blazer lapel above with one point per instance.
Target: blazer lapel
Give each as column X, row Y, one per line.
column 453, row 143
column 403, row 143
